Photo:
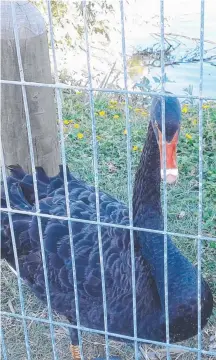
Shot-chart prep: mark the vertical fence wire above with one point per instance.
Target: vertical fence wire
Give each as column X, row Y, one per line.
column 21, row 297
column 31, row 151
column 3, row 347
column 199, row 241
column 64, row 165
column 96, row 175
column 129, row 180
column 164, row 178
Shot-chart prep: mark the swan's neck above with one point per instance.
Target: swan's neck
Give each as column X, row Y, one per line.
column 147, row 179
column 180, row 270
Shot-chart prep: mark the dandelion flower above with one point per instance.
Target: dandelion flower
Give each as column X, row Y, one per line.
column 137, row 110
column 113, row 102
column 185, row 109
column 80, row 135
column 111, row 107
column 125, row 132
column 194, row 121
column 205, row 106
column 98, row 138
column 144, row 113
column 67, row 122
column 76, row 126
column 102, row 113
column 135, row 148
column 188, row 136
column 116, row 116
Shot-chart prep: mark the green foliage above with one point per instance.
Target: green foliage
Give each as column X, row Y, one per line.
column 189, row 92
column 66, row 12
column 145, row 84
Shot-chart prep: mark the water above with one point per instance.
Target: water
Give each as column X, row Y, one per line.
column 142, row 30
column 182, row 18
column 188, row 74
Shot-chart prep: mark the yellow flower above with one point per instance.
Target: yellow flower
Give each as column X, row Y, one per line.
column 194, row 121
column 76, row 126
column 113, row 102
column 70, row 121
column 66, row 122
column 80, row 136
column 188, row 136
column 137, row 110
column 144, row 113
column 111, row 107
column 205, row 106
column 185, row 109
column 102, row 113
column 116, row 116
column 98, row 138
column 135, row 148
column 125, row 132
column 78, row 92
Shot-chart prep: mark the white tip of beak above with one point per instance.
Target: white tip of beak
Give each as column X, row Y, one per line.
column 171, row 175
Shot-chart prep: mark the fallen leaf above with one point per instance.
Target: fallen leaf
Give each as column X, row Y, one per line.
column 112, row 168
column 181, row 215
column 11, row 306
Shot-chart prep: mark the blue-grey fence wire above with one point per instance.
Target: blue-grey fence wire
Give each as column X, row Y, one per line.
column 90, row 90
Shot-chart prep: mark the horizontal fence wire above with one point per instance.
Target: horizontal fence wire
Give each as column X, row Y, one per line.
column 107, row 90
column 117, row 336
column 90, row 90
column 93, row 222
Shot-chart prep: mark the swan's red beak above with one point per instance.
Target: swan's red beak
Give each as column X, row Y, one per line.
column 171, row 158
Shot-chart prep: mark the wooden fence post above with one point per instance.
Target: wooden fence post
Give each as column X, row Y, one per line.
column 41, row 103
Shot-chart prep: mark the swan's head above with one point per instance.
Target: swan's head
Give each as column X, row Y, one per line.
column 172, row 127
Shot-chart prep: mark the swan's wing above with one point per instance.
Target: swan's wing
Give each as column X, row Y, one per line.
column 56, row 242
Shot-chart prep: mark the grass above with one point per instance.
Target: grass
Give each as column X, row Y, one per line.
column 183, row 201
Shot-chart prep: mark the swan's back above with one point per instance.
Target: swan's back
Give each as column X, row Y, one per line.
column 116, row 252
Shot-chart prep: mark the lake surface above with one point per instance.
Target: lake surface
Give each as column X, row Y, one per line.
column 182, row 18
column 142, row 31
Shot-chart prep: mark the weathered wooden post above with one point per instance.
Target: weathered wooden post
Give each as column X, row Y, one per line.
column 36, row 65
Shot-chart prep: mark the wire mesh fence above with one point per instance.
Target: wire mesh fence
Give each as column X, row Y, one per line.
column 58, row 87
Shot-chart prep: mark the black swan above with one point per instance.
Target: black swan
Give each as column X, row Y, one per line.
column 149, row 247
